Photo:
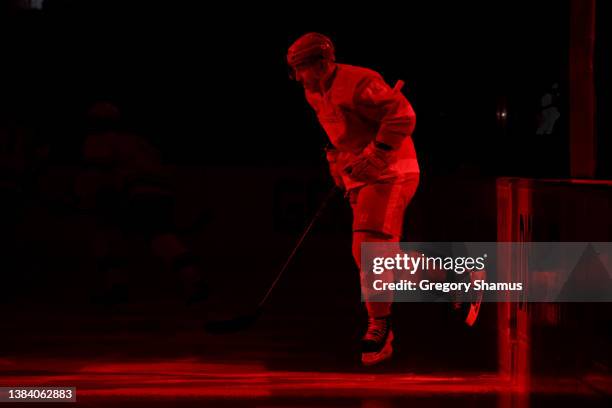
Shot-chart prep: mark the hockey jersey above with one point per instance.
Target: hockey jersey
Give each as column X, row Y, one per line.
column 358, row 108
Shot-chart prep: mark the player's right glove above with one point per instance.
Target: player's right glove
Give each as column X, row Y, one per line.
column 371, row 163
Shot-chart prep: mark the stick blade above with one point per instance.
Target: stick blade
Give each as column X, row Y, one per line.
column 231, row 325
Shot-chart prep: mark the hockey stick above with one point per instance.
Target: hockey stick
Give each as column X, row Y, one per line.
column 242, row 322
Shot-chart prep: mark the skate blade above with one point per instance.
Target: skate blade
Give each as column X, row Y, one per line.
column 472, row 315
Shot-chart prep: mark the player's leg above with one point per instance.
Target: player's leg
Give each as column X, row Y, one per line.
column 152, row 213
column 378, row 213
column 376, row 344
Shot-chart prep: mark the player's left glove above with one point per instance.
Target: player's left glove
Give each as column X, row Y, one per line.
column 371, row 163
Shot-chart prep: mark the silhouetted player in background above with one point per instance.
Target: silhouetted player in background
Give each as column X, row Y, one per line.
column 125, row 181
column 371, row 157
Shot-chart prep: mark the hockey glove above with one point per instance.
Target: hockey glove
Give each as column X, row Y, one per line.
column 371, row 163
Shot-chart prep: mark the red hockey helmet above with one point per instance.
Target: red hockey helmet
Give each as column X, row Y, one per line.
column 309, row 48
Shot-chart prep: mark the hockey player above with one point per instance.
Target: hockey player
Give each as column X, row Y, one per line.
column 371, row 157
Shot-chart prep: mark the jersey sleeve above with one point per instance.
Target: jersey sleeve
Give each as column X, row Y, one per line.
column 377, row 101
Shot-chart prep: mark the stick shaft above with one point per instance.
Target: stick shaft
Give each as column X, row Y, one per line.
column 298, row 245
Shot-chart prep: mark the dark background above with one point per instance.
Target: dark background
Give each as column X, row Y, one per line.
column 208, row 84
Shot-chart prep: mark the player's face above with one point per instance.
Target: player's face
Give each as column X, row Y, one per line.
column 310, row 75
